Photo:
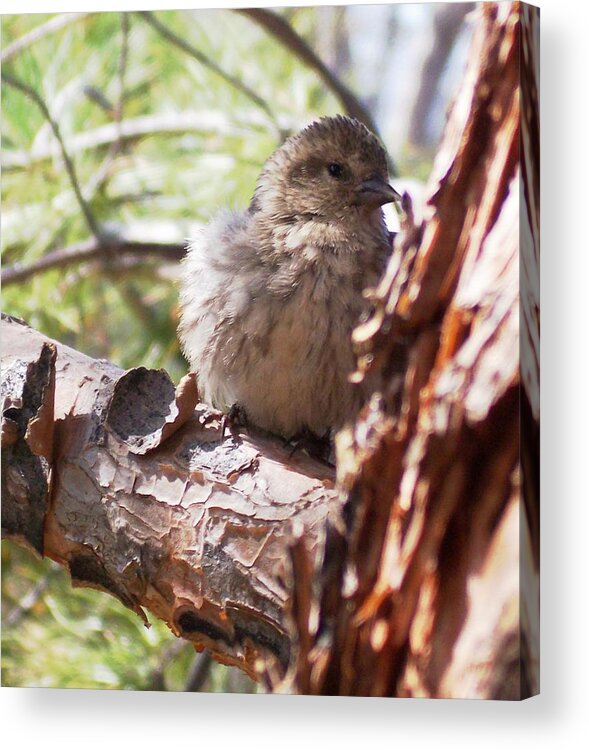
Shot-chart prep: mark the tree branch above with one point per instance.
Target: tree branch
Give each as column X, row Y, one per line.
column 92, row 249
column 199, row 671
column 133, row 488
column 35, row 97
column 186, row 47
column 54, row 24
column 131, row 129
column 283, row 32
column 448, row 21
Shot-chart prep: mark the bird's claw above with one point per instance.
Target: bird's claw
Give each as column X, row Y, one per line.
column 233, row 420
column 315, row 446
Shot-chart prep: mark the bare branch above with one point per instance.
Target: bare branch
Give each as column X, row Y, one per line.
column 213, row 123
column 28, row 91
column 186, row 47
column 199, row 671
column 283, row 32
column 54, row 24
column 448, row 21
column 92, row 249
column 102, row 174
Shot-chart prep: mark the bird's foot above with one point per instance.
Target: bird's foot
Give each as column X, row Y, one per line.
column 235, row 418
column 315, row 446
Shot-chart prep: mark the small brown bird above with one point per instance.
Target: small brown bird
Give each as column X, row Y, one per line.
column 269, row 297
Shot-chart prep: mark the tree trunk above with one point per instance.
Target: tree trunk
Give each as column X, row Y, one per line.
column 418, row 575
column 433, row 588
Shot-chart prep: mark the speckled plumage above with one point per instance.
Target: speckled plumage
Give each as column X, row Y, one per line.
column 269, row 297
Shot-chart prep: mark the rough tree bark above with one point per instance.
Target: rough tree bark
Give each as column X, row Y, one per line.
column 432, row 589
column 418, row 575
column 131, row 485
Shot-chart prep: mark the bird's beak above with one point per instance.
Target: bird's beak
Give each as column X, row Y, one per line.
column 375, row 192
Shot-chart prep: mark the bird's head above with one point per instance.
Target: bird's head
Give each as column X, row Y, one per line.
column 333, row 168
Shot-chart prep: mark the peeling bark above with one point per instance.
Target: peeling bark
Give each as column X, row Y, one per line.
column 433, row 588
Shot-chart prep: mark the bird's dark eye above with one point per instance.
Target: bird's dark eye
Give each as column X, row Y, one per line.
column 335, row 169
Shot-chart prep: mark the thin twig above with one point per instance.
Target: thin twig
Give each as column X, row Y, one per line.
column 54, row 24
column 87, row 250
column 30, row 92
column 128, row 287
column 212, row 123
column 448, row 21
column 283, row 32
column 199, row 671
column 103, row 172
column 186, row 47
column 157, row 679
column 30, row 599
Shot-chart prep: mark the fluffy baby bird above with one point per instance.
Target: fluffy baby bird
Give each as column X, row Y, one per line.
column 269, row 297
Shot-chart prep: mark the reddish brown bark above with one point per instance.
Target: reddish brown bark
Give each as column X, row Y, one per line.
column 432, row 590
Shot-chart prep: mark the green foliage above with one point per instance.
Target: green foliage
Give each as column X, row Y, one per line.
column 56, row 636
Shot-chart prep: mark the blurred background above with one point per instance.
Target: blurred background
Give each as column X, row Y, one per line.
column 122, row 133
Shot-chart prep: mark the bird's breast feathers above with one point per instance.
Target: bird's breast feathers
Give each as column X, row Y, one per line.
column 269, row 328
